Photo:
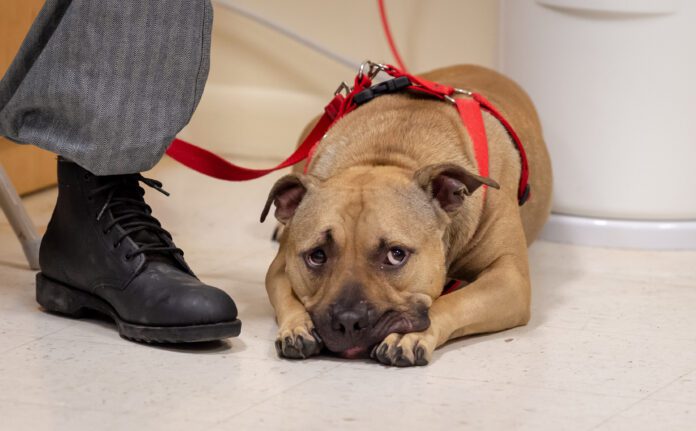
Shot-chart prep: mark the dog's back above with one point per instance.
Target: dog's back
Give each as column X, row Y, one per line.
column 517, row 108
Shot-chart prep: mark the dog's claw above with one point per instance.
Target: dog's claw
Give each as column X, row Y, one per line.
column 401, row 360
column 316, row 336
column 300, row 344
column 381, row 354
column 420, row 356
column 401, row 351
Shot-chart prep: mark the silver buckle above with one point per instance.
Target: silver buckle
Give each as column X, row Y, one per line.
column 368, row 68
column 371, row 69
column 343, row 87
column 452, row 100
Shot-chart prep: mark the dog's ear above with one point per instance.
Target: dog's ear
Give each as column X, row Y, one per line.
column 286, row 194
column 449, row 184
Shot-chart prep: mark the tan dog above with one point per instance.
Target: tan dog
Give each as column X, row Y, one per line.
column 392, row 207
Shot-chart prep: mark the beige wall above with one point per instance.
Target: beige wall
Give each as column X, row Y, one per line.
column 28, row 167
column 263, row 87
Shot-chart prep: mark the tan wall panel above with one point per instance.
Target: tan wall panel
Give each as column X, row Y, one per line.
column 429, row 34
column 264, row 87
column 29, row 168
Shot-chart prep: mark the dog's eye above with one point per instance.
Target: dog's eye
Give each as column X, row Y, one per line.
column 316, row 258
column 396, row 256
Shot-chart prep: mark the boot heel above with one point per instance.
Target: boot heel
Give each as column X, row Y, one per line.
column 58, row 298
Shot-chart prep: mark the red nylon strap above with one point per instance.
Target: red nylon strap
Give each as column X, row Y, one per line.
column 469, row 109
column 481, row 144
column 421, row 85
column 470, row 113
column 211, row 164
column 451, row 286
column 338, row 107
column 523, row 190
column 388, row 34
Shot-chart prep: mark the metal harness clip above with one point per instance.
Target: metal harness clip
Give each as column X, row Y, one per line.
column 452, row 100
column 343, row 87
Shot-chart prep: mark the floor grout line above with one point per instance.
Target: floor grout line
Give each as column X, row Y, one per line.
column 34, row 340
column 645, row 398
column 321, row 373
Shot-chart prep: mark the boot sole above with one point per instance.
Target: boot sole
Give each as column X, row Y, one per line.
column 58, row 298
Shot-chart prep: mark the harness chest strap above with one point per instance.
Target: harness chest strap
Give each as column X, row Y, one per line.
column 469, row 109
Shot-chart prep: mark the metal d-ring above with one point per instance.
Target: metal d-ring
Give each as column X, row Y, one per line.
column 343, row 87
column 452, row 100
column 464, row 92
column 367, row 64
column 370, row 68
column 375, row 68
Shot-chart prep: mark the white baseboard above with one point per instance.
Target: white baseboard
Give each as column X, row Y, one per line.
column 651, row 235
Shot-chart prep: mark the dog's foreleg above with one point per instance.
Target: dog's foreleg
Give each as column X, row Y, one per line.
column 497, row 299
column 296, row 335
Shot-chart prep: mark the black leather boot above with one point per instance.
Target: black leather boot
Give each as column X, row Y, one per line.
column 104, row 251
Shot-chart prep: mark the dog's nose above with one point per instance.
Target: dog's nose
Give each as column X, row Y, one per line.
column 350, row 321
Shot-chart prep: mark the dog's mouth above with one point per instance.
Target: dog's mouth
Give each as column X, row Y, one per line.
column 361, row 345
column 401, row 323
column 357, row 352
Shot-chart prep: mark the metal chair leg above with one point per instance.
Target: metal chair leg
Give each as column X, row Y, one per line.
column 19, row 220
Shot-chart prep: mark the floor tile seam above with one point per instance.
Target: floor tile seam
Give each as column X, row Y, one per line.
column 62, row 406
column 95, row 410
column 646, row 397
column 10, row 349
column 528, row 386
column 614, row 277
column 270, row 397
column 607, row 332
column 652, row 397
column 36, row 339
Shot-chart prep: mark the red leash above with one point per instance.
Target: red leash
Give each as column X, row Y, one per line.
column 469, row 109
column 388, row 34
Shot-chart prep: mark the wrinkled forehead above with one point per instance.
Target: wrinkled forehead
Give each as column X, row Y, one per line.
column 368, row 210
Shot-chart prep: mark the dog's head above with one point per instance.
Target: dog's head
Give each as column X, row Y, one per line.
column 364, row 249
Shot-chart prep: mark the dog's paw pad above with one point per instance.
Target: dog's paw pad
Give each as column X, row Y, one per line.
column 299, row 343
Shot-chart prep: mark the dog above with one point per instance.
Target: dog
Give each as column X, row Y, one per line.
column 390, row 209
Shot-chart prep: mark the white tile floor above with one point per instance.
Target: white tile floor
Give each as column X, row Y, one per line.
column 612, row 345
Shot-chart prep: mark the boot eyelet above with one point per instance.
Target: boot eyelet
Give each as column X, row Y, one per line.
column 106, row 231
column 128, row 257
column 117, row 244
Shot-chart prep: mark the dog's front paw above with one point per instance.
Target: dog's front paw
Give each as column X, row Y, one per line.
column 298, row 342
column 405, row 350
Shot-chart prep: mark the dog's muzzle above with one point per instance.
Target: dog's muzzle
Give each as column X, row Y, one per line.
column 352, row 329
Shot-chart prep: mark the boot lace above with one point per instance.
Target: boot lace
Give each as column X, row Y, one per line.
column 133, row 215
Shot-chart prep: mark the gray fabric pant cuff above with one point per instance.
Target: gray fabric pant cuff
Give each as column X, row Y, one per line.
column 108, row 83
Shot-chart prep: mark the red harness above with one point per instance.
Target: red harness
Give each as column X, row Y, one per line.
column 348, row 99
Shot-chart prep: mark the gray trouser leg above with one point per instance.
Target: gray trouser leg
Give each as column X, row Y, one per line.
column 108, row 83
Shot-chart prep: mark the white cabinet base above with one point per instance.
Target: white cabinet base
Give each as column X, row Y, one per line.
column 656, row 235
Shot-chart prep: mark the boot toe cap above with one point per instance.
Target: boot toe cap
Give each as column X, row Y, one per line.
column 204, row 305
column 164, row 296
